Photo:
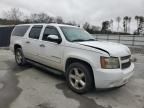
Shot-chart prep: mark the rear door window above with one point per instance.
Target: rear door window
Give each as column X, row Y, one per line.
column 20, row 30
column 35, row 32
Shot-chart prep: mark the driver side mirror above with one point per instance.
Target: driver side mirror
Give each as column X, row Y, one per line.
column 54, row 38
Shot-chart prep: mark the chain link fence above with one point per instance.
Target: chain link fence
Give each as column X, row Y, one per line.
column 131, row 40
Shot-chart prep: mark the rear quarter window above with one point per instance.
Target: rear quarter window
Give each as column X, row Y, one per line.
column 20, row 30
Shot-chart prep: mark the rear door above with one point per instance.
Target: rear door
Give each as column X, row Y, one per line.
column 32, row 42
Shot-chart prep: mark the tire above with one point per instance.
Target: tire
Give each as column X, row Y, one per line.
column 79, row 77
column 19, row 57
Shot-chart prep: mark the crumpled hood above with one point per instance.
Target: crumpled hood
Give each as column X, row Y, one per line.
column 114, row 49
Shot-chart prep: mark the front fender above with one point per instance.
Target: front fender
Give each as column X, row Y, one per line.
column 91, row 58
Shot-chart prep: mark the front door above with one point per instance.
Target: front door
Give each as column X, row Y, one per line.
column 51, row 53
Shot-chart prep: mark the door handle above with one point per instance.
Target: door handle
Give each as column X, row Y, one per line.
column 42, row 45
column 27, row 42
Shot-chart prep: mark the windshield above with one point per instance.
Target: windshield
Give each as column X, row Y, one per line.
column 74, row 34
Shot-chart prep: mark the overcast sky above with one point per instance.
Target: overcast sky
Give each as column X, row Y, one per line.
column 93, row 11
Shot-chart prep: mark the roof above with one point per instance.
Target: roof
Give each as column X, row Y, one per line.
column 52, row 24
column 7, row 25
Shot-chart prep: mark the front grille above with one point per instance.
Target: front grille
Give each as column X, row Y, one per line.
column 125, row 61
column 126, row 65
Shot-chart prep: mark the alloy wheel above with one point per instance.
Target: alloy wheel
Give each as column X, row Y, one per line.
column 77, row 78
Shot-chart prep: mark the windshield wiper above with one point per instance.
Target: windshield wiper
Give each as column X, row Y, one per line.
column 91, row 40
column 78, row 40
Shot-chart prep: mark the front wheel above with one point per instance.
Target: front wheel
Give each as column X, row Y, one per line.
column 79, row 77
column 19, row 57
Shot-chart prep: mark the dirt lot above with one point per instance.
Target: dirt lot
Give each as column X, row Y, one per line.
column 31, row 87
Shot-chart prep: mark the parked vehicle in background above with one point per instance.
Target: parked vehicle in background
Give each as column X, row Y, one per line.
column 86, row 63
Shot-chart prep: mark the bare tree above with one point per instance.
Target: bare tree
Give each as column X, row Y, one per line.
column 59, row 20
column 118, row 19
column 73, row 23
column 141, row 25
column 111, row 24
column 125, row 23
column 105, row 26
column 137, row 19
column 41, row 18
column 95, row 28
column 86, row 26
column 129, row 24
column 14, row 14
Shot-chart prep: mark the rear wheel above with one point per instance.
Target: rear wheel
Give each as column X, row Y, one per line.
column 79, row 77
column 19, row 57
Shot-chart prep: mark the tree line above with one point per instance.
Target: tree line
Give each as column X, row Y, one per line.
column 107, row 26
column 16, row 16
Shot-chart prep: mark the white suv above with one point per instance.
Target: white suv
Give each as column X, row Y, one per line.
column 87, row 63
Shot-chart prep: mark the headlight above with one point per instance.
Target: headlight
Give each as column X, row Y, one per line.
column 109, row 62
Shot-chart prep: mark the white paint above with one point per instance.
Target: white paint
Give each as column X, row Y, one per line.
column 55, row 55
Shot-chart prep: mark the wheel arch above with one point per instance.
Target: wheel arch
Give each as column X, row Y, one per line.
column 17, row 46
column 72, row 60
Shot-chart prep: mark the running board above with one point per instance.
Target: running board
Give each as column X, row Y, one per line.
column 54, row 71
